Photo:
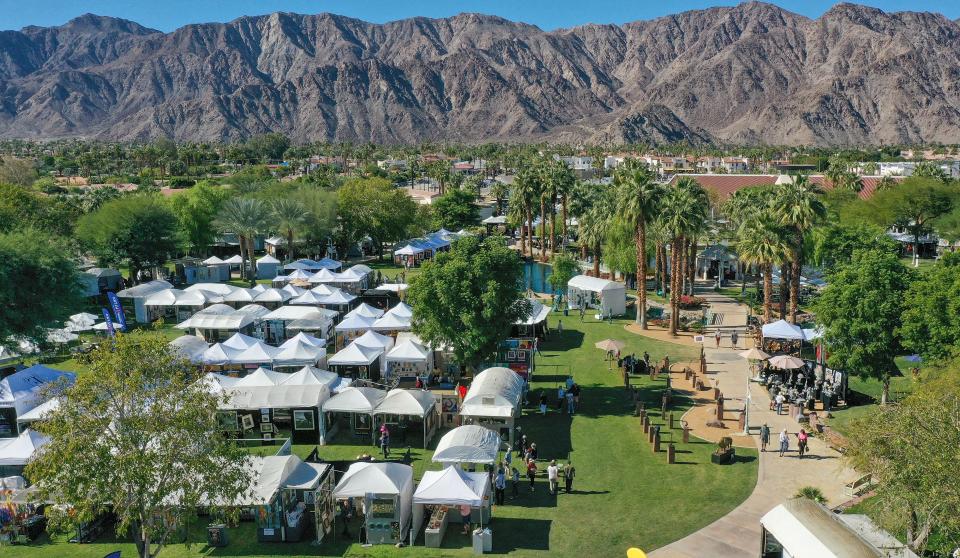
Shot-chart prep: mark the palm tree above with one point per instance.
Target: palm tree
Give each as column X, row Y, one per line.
column 798, row 207
column 561, row 181
column 593, row 227
column 762, row 242
column 289, row 216
column 639, row 199
column 244, row 217
column 500, row 193
column 679, row 212
column 524, row 192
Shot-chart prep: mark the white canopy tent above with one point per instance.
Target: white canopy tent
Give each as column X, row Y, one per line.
column 381, row 479
column 782, row 329
column 39, row 412
column 277, row 472
column 221, row 289
column 329, row 263
column 414, row 403
column 139, row 294
column 409, row 357
column 352, row 327
column 803, row 528
column 25, row 389
column 493, row 400
column 296, row 353
column 18, row 451
column 190, row 347
column 392, row 322
column 609, row 297
column 468, row 444
column 401, row 310
column 365, row 310
column 451, row 486
column 357, row 402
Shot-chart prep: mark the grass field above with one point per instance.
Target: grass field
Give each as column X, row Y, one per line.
column 624, row 494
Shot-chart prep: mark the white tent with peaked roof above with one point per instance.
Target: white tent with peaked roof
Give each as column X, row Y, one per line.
column 453, row 487
column 261, row 377
column 365, row 310
column 468, row 444
column 18, row 451
column 782, row 329
column 402, row 310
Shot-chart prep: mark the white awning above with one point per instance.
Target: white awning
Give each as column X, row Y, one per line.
column 452, row 486
column 781, row 329
column 355, row 400
column 281, row 396
column 355, row 323
column 25, row 389
column 805, row 528
column 355, row 355
column 468, row 444
column 365, row 310
column 374, row 478
column 18, row 451
column 409, row 351
column 409, row 402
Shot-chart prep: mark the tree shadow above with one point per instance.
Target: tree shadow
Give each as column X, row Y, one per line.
column 511, row 534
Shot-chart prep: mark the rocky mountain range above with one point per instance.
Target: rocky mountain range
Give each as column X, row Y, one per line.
column 749, row 74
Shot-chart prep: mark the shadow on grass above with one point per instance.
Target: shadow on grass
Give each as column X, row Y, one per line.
column 512, row 534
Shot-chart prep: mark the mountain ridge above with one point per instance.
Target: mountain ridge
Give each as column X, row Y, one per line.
column 753, row 73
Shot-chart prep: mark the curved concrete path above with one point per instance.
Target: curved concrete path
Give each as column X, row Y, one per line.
column 737, row 534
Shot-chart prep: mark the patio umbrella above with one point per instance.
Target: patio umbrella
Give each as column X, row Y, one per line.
column 786, row 362
column 84, row 319
column 754, row 354
column 610, row 345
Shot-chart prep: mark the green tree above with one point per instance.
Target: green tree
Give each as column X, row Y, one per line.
column 798, row 207
column 914, row 205
column 931, row 311
column 38, row 281
column 269, row 147
column 289, row 216
column 835, row 244
column 19, row 172
column 139, row 230
column 469, row 298
column 500, row 193
column 860, row 310
column 761, row 242
column 911, row 450
column 373, row 207
column 455, row 210
column 152, row 450
column 639, row 197
column 563, row 269
column 21, row 208
column 196, row 210
column 928, row 169
column 246, row 218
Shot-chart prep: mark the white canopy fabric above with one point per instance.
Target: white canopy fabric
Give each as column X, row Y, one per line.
column 261, row 353
column 261, row 377
column 235, row 260
column 176, row 297
column 213, row 260
column 355, row 355
column 281, row 396
column 311, row 298
column 452, row 486
column 189, row 347
column 375, row 340
column 538, row 313
column 812, row 334
column 273, row 295
column 328, row 263
column 470, row 443
column 299, row 353
column 308, row 375
column 408, row 250
column 393, row 287
column 267, row 259
column 355, row 400
column 294, row 290
column 145, row 289
column 495, row 220
column 323, row 276
column 221, row 289
column 288, row 313
column 323, row 290
column 782, row 329
column 375, row 478
column 18, row 451
column 786, row 362
column 240, row 341
column 355, row 323
column 223, row 317
column 23, row 390
column 364, row 310
column 276, row 472
column 595, row 284
column 495, row 392
column 409, row 351
column 299, row 274
column 64, row 335
column 391, row 322
column 40, row 411
column 304, row 338
column 805, row 528
column 401, row 310
column 338, row 298
column 241, row 295
column 408, row 402
column 83, row 319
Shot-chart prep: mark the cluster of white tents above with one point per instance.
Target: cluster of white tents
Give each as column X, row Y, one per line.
column 244, row 350
column 782, row 329
column 24, row 397
column 372, row 402
column 418, row 249
column 352, row 279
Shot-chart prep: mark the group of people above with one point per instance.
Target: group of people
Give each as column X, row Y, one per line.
column 568, row 395
column 527, row 451
column 784, row 440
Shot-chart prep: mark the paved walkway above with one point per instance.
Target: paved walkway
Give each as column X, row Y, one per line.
column 738, row 533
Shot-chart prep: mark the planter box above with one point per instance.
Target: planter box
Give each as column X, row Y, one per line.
column 725, row 458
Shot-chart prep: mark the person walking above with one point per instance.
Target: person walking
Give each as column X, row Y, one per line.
column 543, row 402
column 559, row 327
column 561, row 397
column 385, row 443
column 802, row 442
column 536, row 346
column 779, row 400
column 733, row 339
column 534, row 454
column 465, row 518
column 764, row 437
column 500, row 485
column 717, row 336
column 515, row 482
column 575, row 389
column 784, row 442
column 553, row 475
column 570, row 404
column 569, row 472
column 531, row 472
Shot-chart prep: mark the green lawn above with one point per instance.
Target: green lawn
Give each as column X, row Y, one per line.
column 866, row 396
column 624, row 494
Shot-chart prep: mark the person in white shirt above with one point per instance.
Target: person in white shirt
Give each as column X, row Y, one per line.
column 779, row 401
column 553, row 475
column 784, row 442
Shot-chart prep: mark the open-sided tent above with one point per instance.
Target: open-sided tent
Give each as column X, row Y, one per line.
column 219, row 320
column 309, row 375
column 409, row 358
column 222, row 267
column 221, row 289
column 802, row 527
column 323, row 276
column 608, row 297
column 268, row 267
column 296, row 353
column 401, row 310
column 273, row 298
column 452, row 486
column 411, row 403
column 261, row 377
column 352, row 327
column 357, row 361
column 24, row 390
column 383, row 480
column 493, row 400
column 329, row 263
column 468, row 444
column 139, row 294
column 16, row 452
column 392, row 323
column 357, row 402
column 782, row 329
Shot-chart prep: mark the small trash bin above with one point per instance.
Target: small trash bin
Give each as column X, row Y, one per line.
column 487, row 540
column 477, row 541
column 217, row 535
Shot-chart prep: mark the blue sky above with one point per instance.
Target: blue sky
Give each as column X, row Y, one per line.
column 167, row 15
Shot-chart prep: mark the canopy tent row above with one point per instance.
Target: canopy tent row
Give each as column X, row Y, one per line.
column 365, row 404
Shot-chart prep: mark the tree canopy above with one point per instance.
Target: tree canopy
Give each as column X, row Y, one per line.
column 151, row 449
column 375, row 208
column 860, row 310
column 38, row 280
column 138, row 229
column 469, row 298
column 455, row 210
column 931, row 311
column 196, row 210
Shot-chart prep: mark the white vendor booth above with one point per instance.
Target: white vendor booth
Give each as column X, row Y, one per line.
column 607, row 297
column 468, row 444
column 15, row 453
column 409, row 359
column 357, row 402
column 493, row 401
column 385, row 491
column 801, row 527
column 400, row 404
column 439, row 491
column 24, row 390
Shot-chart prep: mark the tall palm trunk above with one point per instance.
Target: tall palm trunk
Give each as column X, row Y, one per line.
column 675, row 258
column 530, row 230
column 553, row 226
column 243, row 256
column 253, row 261
column 663, row 269
column 290, row 245
column 691, row 269
column 797, row 267
column 641, row 274
column 656, row 266
column 743, row 278
column 767, row 293
column 543, row 229
column 596, row 260
column 523, row 241
column 784, row 288
column 563, row 215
